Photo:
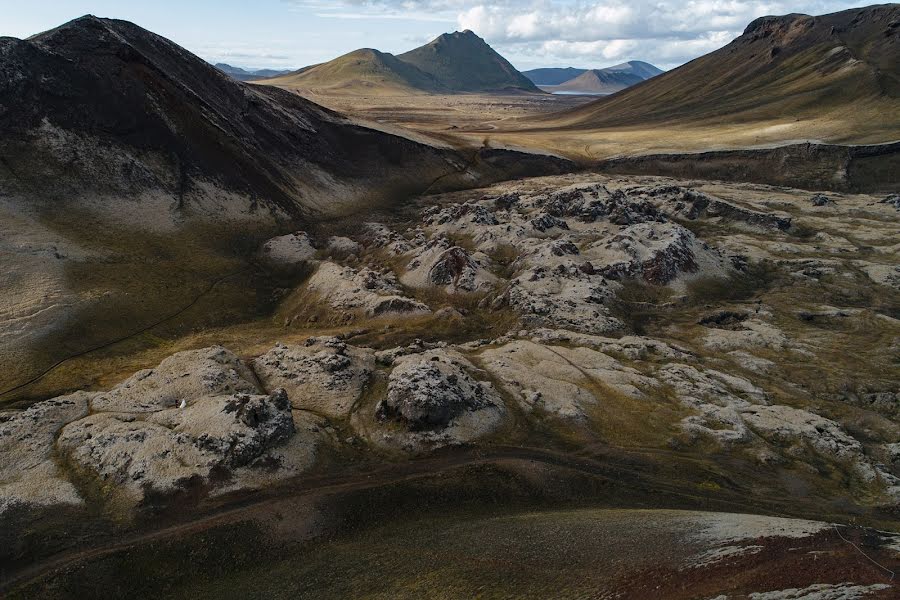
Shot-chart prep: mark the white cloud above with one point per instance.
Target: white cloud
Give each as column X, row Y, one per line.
column 553, row 32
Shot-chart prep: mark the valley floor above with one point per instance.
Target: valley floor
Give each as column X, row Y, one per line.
column 540, row 123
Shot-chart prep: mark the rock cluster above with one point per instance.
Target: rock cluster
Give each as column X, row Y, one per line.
column 692, row 205
column 196, row 420
column 288, row 250
column 325, row 375
column 555, row 260
column 179, row 380
column 366, row 292
column 437, row 401
column 169, row 450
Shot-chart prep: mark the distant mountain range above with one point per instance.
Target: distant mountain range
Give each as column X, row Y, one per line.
column 453, row 62
column 249, row 75
column 553, row 76
column 595, row 81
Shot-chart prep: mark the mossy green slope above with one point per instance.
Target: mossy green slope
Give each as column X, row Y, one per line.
column 462, row 61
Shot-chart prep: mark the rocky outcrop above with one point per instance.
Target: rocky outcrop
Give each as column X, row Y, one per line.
column 325, row 375
column 178, row 381
column 342, row 247
column 556, row 380
column 175, row 449
column 288, row 250
column 570, row 246
column 793, row 427
column 717, row 399
column 657, row 253
column 727, row 332
column 732, row 410
column 690, row 204
column 470, row 211
column 437, row 402
column 442, row 265
column 364, row 292
column 564, row 297
column 197, row 421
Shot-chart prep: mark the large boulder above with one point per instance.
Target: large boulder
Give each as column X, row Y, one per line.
column 435, row 399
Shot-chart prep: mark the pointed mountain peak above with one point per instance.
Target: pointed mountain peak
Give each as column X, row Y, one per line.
column 467, row 37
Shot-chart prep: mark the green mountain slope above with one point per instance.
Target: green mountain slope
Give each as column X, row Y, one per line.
column 464, row 62
column 361, row 69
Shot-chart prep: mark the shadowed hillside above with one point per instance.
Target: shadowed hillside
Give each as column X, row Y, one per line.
column 137, row 181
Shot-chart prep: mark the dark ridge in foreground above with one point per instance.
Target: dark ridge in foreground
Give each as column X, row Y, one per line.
column 118, row 143
column 104, row 106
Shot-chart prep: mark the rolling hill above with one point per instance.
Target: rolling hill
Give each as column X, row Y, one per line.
column 553, row 76
column 365, row 70
column 843, row 67
column 603, row 80
column 642, row 69
column 598, row 81
column 452, row 63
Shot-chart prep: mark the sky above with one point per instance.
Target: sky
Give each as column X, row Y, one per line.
column 288, row 34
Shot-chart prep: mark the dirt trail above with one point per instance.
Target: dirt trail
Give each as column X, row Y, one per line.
column 327, row 490
column 126, row 337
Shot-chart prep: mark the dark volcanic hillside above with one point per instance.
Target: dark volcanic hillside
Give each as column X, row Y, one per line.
column 102, row 105
column 464, row 62
column 843, row 67
column 137, row 182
